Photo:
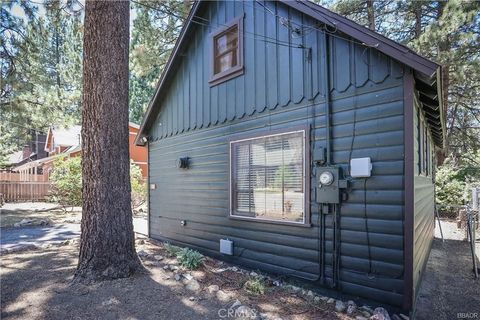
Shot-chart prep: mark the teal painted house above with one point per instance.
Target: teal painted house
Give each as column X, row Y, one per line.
column 286, row 138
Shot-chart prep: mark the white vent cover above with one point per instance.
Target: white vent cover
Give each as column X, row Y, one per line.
column 360, row 167
column 226, row 246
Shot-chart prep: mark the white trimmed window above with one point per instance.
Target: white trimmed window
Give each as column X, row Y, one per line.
column 268, row 178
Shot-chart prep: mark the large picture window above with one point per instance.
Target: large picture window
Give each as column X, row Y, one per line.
column 268, row 177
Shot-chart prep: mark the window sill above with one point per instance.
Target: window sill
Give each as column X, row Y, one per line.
column 267, row 221
column 226, row 75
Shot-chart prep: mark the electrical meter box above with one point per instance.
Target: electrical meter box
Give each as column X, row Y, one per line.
column 329, row 184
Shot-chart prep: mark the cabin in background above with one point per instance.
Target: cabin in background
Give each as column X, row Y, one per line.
column 286, row 138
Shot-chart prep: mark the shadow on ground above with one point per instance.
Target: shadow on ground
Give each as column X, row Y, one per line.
column 36, row 285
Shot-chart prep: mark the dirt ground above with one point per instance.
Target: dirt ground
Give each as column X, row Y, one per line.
column 449, row 289
column 37, row 285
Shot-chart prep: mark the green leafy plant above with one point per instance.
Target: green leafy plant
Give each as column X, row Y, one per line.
column 171, row 249
column 138, row 185
column 255, row 285
column 189, row 258
column 66, row 179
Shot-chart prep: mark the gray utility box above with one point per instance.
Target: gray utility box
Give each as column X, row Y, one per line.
column 226, row 246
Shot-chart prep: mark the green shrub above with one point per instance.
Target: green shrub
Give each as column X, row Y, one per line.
column 255, row 285
column 139, row 186
column 171, row 249
column 190, row 259
column 66, row 179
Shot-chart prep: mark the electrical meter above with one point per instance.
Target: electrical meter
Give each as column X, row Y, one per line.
column 329, row 184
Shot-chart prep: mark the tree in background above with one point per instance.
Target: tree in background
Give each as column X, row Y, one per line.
column 41, row 70
column 107, row 242
column 155, row 30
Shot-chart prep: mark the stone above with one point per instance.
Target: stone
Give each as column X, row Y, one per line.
column 177, row 277
column 166, row 267
column 404, row 317
column 277, row 283
column 317, row 299
column 158, row 257
column 236, row 304
column 188, row 276
column 142, row 253
column 295, row 288
column 234, row 269
column 213, row 288
column 222, row 296
column 263, row 316
column 310, row 294
column 339, row 306
column 381, row 311
column 323, row 298
column 367, row 308
column 351, row 309
column 360, row 318
column 330, row 300
column 365, row 313
column 140, row 241
column 244, row 312
column 193, row 285
column 192, row 298
column 172, row 267
column 254, row 274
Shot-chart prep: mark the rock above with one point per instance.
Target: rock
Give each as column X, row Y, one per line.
column 404, row 317
column 140, row 241
column 360, row 318
column 236, row 304
column 188, row 276
column 244, row 312
column 213, row 288
column 323, row 298
column 263, row 316
column 234, row 269
column 192, row 298
column 254, row 274
column 310, row 294
column 166, row 267
column 277, row 283
column 222, row 296
column 366, row 308
column 178, row 277
column 317, row 299
column 339, row 306
column 365, row 313
column 351, row 309
column 166, row 278
column 172, row 267
column 193, row 285
column 295, row 288
column 330, row 300
column 142, row 254
column 158, row 257
column 381, row 311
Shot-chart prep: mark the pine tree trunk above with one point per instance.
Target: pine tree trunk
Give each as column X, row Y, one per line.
column 371, row 15
column 107, row 247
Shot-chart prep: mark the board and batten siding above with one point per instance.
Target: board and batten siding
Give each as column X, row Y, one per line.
column 423, row 205
column 283, row 87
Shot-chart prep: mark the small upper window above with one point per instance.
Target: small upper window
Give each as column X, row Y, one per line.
column 227, row 53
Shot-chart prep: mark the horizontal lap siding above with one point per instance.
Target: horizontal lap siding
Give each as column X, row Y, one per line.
column 278, row 95
column 424, row 220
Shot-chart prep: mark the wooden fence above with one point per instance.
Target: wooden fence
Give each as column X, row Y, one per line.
column 12, row 191
column 17, row 176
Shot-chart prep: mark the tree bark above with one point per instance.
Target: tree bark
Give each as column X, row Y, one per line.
column 107, row 246
column 371, row 15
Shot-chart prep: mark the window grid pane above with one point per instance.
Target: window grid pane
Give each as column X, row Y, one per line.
column 269, row 172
